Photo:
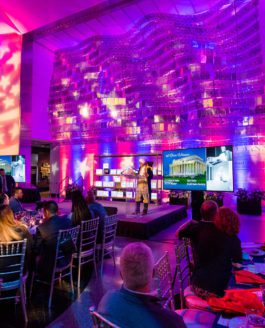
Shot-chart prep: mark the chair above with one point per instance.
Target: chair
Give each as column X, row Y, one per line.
column 163, row 281
column 87, row 246
column 189, row 254
column 12, row 255
column 108, row 241
column 62, row 269
column 99, row 321
column 187, row 297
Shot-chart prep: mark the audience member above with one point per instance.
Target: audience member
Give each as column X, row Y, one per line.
column 80, row 211
column 12, row 230
column 134, row 305
column 228, row 221
column 4, row 199
column 99, row 212
column 14, row 202
column 46, row 238
column 7, row 183
column 213, row 251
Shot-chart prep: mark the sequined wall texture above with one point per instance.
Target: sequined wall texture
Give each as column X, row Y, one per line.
column 170, row 81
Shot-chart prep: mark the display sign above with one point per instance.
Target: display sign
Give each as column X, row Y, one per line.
column 108, row 184
column 15, row 166
column 129, row 194
column 117, row 194
column 102, row 193
column 208, row 168
column 117, row 179
column 153, row 196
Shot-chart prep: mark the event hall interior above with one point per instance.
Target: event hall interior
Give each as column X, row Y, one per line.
column 132, row 163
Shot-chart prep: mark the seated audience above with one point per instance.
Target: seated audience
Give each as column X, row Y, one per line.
column 12, row 230
column 15, row 201
column 135, row 305
column 80, row 211
column 214, row 252
column 99, row 212
column 228, row 222
column 46, row 239
column 4, row 199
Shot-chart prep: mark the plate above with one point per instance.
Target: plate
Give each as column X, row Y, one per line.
column 257, row 252
column 238, row 322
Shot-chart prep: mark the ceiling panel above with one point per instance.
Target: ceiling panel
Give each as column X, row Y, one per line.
column 117, row 18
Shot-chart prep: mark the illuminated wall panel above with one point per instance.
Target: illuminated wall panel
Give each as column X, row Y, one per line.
column 10, row 60
column 182, row 80
column 171, row 81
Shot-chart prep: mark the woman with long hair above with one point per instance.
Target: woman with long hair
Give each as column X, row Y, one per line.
column 80, row 211
column 228, row 222
column 10, row 229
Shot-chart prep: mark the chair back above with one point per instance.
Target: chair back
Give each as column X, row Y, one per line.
column 163, row 281
column 189, row 253
column 99, row 321
column 65, row 247
column 88, row 237
column 109, row 232
column 182, row 270
column 12, row 257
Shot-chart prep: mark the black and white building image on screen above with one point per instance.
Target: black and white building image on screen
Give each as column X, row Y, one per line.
column 219, row 168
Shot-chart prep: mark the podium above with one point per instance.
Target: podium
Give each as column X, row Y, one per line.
column 130, row 193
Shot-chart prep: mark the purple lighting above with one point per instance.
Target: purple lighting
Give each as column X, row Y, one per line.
column 187, row 79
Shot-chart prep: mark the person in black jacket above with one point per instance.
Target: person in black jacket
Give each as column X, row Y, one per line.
column 7, row 183
column 46, row 239
column 214, row 252
column 149, row 179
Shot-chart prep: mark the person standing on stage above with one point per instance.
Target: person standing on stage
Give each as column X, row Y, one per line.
column 7, row 183
column 149, row 178
column 142, row 188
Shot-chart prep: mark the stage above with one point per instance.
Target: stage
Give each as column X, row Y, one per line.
column 144, row 226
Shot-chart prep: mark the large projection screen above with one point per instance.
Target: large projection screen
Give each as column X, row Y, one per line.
column 209, row 169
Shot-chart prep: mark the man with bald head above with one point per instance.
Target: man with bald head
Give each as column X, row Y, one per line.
column 135, row 304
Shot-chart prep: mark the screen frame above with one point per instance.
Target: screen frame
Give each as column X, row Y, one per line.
column 11, row 161
column 205, row 189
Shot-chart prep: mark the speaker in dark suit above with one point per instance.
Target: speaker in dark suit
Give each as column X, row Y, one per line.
column 7, row 183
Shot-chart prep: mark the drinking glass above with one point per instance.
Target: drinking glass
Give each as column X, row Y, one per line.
column 255, row 321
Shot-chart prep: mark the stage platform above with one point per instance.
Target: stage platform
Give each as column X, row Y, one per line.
column 143, row 227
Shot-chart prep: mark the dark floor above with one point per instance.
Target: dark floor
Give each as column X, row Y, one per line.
column 66, row 313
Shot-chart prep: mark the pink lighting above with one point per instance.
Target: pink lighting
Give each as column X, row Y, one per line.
column 10, row 53
column 84, row 110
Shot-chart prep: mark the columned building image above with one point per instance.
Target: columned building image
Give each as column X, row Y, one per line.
column 187, row 166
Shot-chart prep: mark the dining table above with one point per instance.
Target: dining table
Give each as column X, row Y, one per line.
column 253, row 262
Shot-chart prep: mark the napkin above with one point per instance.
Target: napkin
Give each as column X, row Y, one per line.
column 247, row 277
column 237, row 301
